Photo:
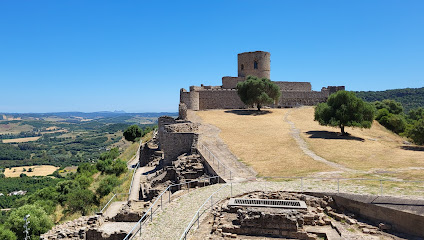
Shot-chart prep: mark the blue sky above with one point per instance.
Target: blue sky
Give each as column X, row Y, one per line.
column 136, row 55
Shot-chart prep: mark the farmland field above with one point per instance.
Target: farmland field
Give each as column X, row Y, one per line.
column 21, row 140
column 41, row 170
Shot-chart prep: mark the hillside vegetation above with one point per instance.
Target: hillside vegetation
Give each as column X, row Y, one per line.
column 410, row 98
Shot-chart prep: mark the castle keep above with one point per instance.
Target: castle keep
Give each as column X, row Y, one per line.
column 256, row 64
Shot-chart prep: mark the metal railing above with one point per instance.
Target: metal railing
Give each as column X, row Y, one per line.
column 158, row 203
column 221, row 167
column 202, row 209
column 114, row 197
column 132, row 179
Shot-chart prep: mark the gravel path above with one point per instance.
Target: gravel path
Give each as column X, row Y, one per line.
column 295, row 132
column 113, row 209
column 171, row 222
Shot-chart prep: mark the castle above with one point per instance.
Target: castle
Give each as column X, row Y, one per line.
column 256, row 64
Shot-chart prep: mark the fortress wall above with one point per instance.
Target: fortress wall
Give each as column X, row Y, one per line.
column 247, row 59
column 191, row 99
column 219, row 99
column 175, row 144
column 293, row 99
column 294, row 86
column 231, row 82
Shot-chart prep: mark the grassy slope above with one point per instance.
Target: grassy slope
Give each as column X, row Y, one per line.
column 265, row 143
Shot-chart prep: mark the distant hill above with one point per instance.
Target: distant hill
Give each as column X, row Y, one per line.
column 409, row 97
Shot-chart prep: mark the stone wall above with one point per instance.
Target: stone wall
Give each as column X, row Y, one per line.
column 246, row 64
column 219, row 99
column 298, row 98
column 404, row 215
column 175, row 144
column 176, row 137
column 231, row 82
column 191, row 99
column 294, row 86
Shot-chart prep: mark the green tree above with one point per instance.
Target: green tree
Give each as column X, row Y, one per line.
column 416, row 114
column 416, row 133
column 6, row 234
column 80, row 200
column 119, row 166
column 39, row 221
column 106, row 185
column 344, row 109
column 391, row 105
column 258, row 91
column 132, row 132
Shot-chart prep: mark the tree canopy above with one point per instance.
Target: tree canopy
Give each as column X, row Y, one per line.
column 39, row 221
column 132, row 132
column 258, row 91
column 344, row 109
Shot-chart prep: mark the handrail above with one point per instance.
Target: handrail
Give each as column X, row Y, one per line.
column 184, row 235
column 107, row 204
column 132, row 180
column 139, row 224
column 219, row 162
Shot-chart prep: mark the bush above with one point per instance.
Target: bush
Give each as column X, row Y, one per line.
column 39, row 221
column 416, row 133
column 6, row 234
column 132, row 132
column 80, row 200
column 106, row 185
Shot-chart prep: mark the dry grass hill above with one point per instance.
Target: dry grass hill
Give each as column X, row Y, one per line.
column 287, row 142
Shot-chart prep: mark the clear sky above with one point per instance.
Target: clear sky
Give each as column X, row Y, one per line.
column 136, row 55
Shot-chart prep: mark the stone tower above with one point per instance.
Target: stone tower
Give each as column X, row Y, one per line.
column 254, row 63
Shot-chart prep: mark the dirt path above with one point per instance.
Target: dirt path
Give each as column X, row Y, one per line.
column 295, row 132
column 209, row 137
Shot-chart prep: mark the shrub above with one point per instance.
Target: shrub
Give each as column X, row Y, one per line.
column 39, row 221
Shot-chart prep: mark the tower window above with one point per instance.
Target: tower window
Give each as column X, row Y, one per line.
column 242, row 67
column 255, row 65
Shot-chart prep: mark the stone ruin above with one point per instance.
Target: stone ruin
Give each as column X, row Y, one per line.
column 322, row 219
column 172, row 157
column 175, row 157
column 75, row 229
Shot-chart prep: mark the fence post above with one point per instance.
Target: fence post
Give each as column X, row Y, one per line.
column 151, row 214
column 161, row 202
column 211, row 202
column 169, row 196
column 188, row 188
column 140, row 230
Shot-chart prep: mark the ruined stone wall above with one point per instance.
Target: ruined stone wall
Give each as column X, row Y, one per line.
column 231, row 82
column 175, row 144
column 294, row 86
column 298, row 98
column 219, row 99
column 246, row 62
